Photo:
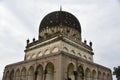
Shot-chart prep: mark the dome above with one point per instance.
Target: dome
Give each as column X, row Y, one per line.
column 57, row 18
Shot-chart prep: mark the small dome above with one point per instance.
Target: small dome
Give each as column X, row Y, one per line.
column 57, row 18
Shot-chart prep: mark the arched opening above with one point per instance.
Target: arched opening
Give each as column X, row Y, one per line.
column 12, row 75
column 39, row 72
column 99, row 75
column 17, row 74
column 70, row 71
column 80, row 73
column 104, row 78
column 108, row 77
column 7, row 75
column 94, row 75
column 49, row 72
column 31, row 73
column 23, row 74
column 87, row 74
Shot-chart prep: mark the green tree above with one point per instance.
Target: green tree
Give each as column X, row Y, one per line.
column 117, row 72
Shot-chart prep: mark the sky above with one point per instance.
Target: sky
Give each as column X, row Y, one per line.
column 99, row 19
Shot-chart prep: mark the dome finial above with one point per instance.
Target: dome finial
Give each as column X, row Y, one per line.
column 60, row 8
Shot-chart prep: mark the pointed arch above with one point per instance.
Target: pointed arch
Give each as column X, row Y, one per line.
column 12, row 75
column 23, row 73
column 39, row 72
column 70, row 71
column 108, row 76
column 94, row 75
column 87, row 74
column 104, row 76
column 17, row 74
column 49, row 71
column 99, row 75
column 7, row 75
column 31, row 73
column 80, row 73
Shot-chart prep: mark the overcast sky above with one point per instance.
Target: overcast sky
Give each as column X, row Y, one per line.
column 99, row 19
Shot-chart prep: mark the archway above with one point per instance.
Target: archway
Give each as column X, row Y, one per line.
column 17, row 74
column 23, row 74
column 108, row 77
column 99, row 75
column 7, row 76
column 39, row 72
column 49, row 72
column 31, row 73
column 104, row 76
column 70, row 71
column 80, row 73
column 12, row 75
column 94, row 75
column 87, row 74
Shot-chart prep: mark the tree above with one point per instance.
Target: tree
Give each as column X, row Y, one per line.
column 117, row 72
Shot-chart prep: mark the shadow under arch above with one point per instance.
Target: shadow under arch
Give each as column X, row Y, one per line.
column 49, row 71
column 99, row 75
column 23, row 73
column 39, row 72
column 31, row 73
column 87, row 74
column 80, row 73
column 108, row 76
column 103, row 76
column 94, row 75
column 7, row 75
column 12, row 75
column 17, row 74
column 70, row 71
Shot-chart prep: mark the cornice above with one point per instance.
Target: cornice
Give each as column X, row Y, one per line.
column 51, row 55
column 59, row 37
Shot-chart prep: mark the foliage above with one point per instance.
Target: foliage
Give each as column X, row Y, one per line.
column 117, row 72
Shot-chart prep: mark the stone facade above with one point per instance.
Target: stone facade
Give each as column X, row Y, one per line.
column 58, row 54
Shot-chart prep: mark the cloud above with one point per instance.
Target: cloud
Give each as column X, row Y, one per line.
column 11, row 36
